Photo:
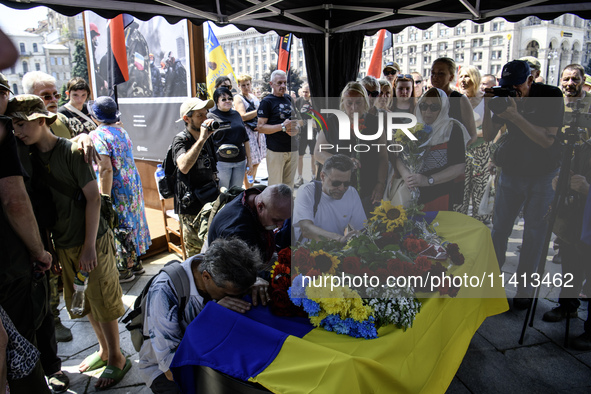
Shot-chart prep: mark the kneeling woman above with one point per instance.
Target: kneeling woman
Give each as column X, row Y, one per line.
column 441, row 178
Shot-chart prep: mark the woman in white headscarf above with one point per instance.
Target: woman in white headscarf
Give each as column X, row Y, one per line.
column 441, row 178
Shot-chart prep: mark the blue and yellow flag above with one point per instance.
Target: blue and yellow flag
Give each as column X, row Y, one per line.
column 217, row 62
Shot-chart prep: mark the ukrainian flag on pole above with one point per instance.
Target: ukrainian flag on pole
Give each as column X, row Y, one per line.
column 217, row 62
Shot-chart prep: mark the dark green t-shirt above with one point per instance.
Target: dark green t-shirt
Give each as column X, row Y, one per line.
column 67, row 165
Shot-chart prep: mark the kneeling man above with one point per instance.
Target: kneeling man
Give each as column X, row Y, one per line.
column 325, row 210
column 224, row 274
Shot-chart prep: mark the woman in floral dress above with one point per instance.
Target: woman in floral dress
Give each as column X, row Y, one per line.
column 119, row 178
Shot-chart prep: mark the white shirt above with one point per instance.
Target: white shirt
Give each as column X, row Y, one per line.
column 161, row 323
column 332, row 215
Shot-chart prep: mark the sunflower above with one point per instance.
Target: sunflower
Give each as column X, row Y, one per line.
column 392, row 216
column 325, row 262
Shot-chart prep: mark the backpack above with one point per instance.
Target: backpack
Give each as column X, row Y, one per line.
column 166, row 185
column 135, row 319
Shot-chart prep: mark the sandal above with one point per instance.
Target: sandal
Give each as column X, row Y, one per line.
column 94, row 362
column 114, row 373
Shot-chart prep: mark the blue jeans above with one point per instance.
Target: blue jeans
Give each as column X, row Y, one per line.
column 535, row 195
column 231, row 174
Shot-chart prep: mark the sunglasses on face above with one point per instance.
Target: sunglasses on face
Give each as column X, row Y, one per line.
column 418, row 82
column 48, row 97
column 433, row 107
column 403, row 77
column 225, row 99
column 373, row 93
column 390, row 72
column 339, row 183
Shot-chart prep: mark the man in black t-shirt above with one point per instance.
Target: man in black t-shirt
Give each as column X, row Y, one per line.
column 529, row 157
column 194, row 156
column 275, row 121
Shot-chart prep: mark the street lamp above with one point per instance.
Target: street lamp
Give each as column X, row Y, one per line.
column 552, row 54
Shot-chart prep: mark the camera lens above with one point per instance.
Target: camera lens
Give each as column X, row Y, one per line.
column 498, row 104
column 214, row 125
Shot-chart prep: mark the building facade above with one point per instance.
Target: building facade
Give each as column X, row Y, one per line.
column 31, row 58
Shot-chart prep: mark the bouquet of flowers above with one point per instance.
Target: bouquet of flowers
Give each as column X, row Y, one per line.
column 392, row 246
column 414, row 151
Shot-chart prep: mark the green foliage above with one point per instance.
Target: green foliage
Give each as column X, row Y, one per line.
column 80, row 68
column 294, row 80
column 64, row 99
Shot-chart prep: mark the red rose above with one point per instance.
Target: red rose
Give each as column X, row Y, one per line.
column 457, row 259
column 452, row 249
column 422, row 264
column 281, row 305
column 352, row 265
column 395, row 267
column 302, row 260
column 282, row 269
column 284, row 256
column 281, row 282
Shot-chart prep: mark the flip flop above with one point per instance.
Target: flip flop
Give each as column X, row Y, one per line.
column 94, row 362
column 114, row 373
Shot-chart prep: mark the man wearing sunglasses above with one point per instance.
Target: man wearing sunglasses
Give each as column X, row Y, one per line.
column 419, row 84
column 324, row 210
column 391, row 70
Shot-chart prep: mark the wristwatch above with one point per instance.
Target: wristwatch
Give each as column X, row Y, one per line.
column 283, row 128
column 431, row 181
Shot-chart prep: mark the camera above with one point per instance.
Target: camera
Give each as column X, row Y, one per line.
column 500, row 102
column 188, row 199
column 215, row 126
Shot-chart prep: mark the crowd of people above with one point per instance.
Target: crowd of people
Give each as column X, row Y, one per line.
column 65, row 170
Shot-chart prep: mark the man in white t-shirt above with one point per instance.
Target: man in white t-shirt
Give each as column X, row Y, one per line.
column 325, row 210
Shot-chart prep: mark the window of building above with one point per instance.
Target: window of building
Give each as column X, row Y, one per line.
column 300, row 53
column 37, row 67
column 398, row 51
column 54, row 74
column 248, row 51
column 460, row 30
column 15, row 89
column 412, row 61
column 399, row 38
column 264, row 58
column 239, row 52
column 240, row 69
column 498, row 26
column 427, row 48
column 496, row 55
column 25, row 67
column 399, row 60
column 256, row 76
column 498, row 40
column 80, row 32
column 477, row 42
column 412, row 37
column 495, row 68
column 477, row 56
column 22, row 46
column 533, row 21
column 13, row 70
column 412, row 49
column 301, row 64
column 459, row 44
column 443, row 32
column 478, row 28
column 459, row 56
column 427, row 59
column 35, row 48
column 427, row 35
column 442, row 46
column 59, row 61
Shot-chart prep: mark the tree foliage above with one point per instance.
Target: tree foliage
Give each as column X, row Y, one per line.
column 80, row 68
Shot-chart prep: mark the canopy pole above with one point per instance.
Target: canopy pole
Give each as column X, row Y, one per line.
column 326, row 53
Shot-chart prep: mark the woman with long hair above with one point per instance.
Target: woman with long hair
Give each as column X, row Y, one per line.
column 440, row 178
column 477, row 154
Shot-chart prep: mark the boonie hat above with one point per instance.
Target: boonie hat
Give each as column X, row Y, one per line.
column 29, row 107
column 104, row 109
column 392, row 65
column 515, row 72
column 194, row 104
column 534, row 63
column 4, row 83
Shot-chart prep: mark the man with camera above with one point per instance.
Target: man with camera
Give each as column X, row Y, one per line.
column 529, row 157
column 197, row 182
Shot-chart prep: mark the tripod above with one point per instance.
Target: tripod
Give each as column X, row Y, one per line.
column 562, row 192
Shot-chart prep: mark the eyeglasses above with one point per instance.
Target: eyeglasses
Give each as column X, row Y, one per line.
column 339, row 183
column 418, row 82
column 388, row 72
column 373, row 93
column 404, row 76
column 433, row 107
column 48, row 97
column 225, row 99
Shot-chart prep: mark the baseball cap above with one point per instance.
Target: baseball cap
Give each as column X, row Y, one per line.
column 104, row 108
column 4, row 83
column 194, row 104
column 392, row 65
column 515, row 72
column 29, row 107
column 534, row 64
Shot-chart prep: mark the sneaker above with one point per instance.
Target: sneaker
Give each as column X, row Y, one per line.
column 138, row 269
column 59, row 382
column 557, row 314
column 582, row 342
column 299, row 182
column 62, row 333
column 522, row 303
column 126, row 276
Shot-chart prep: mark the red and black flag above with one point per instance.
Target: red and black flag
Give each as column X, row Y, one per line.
column 283, row 49
column 117, row 70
